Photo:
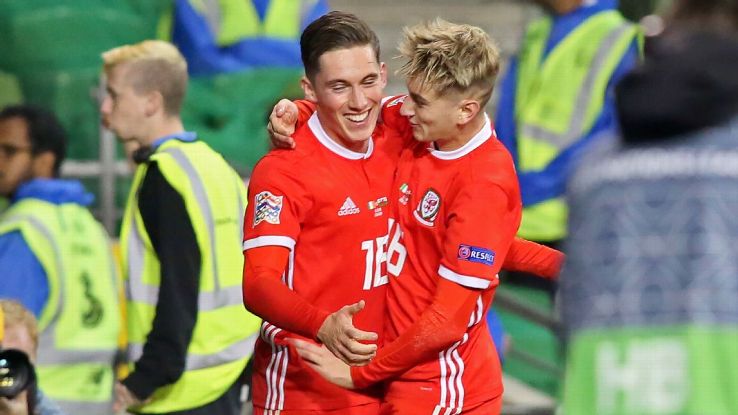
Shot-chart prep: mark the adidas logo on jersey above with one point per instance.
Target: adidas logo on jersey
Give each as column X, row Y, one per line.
column 348, row 208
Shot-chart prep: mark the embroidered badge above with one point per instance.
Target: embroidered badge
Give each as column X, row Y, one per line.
column 267, row 208
column 428, row 207
column 476, row 254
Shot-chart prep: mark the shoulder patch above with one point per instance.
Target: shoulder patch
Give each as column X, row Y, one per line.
column 267, row 208
column 476, row 254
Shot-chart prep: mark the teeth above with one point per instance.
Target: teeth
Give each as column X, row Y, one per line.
column 357, row 117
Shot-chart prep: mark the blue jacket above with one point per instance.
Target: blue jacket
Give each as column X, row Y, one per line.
column 550, row 183
column 24, row 279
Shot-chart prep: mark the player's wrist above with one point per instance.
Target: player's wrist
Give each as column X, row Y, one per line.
column 319, row 330
column 359, row 377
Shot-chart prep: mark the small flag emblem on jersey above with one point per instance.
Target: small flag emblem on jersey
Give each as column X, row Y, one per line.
column 476, row 254
column 348, row 208
column 267, row 208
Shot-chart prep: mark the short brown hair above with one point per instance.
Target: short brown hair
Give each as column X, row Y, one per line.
column 15, row 314
column 332, row 31
column 443, row 56
column 155, row 66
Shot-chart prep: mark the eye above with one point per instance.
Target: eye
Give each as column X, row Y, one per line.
column 338, row 88
column 369, row 82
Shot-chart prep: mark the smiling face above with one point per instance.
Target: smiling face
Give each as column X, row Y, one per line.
column 348, row 90
column 433, row 117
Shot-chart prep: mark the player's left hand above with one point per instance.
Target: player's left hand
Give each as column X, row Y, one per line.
column 325, row 363
column 344, row 340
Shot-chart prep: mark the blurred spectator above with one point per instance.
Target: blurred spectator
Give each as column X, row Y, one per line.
column 556, row 99
column 63, row 268
column 234, row 35
column 19, row 331
column 190, row 337
column 648, row 293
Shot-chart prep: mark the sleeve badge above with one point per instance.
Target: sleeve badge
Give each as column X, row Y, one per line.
column 267, row 208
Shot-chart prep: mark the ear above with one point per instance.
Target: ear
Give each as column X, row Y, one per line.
column 154, row 103
column 468, row 110
column 383, row 74
column 308, row 90
column 42, row 165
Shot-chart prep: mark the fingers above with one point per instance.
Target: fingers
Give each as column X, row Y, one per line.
column 355, row 353
column 307, row 351
column 361, row 335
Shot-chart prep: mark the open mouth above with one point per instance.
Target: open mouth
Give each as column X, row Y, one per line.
column 357, row 118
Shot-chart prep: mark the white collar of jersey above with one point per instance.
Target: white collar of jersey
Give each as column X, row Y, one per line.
column 317, row 128
column 479, row 138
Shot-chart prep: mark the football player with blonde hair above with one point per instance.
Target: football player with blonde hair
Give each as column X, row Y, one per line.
column 455, row 211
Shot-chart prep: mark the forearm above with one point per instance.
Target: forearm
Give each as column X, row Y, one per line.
column 533, row 258
column 265, row 295
column 442, row 324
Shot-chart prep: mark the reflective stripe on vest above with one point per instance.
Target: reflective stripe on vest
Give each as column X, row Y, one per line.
column 75, row 360
column 577, row 125
column 199, row 361
column 234, row 20
column 558, row 100
column 224, row 334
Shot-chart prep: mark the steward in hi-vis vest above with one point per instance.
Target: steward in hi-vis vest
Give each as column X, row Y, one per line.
column 80, row 323
column 224, row 333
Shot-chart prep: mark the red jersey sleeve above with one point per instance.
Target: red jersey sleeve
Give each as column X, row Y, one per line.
column 482, row 222
column 305, row 110
column 394, row 121
column 533, row 258
column 265, row 295
column 277, row 205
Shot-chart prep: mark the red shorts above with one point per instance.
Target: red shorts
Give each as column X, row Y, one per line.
column 404, row 407
column 368, row 409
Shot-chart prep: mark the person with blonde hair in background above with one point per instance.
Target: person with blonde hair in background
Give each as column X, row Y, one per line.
column 190, row 338
column 19, row 331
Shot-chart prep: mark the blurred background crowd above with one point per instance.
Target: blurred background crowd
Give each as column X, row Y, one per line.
column 622, row 120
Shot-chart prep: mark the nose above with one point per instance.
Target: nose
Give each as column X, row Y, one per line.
column 408, row 107
column 105, row 105
column 358, row 99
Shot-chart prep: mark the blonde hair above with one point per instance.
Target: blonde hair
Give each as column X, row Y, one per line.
column 15, row 314
column 155, row 65
column 443, row 56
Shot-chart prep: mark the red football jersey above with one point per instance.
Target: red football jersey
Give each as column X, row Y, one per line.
column 443, row 226
column 329, row 206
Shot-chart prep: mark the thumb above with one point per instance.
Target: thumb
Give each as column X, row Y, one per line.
column 356, row 307
column 279, row 110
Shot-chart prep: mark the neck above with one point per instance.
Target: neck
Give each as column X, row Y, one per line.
column 464, row 134
column 167, row 126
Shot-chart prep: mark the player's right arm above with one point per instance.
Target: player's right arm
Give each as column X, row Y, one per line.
column 278, row 205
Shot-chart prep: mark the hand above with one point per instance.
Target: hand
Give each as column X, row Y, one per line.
column 340, row 336
column 17, row 405
column 325, row 363
column 281, row 124
column 124, row 398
